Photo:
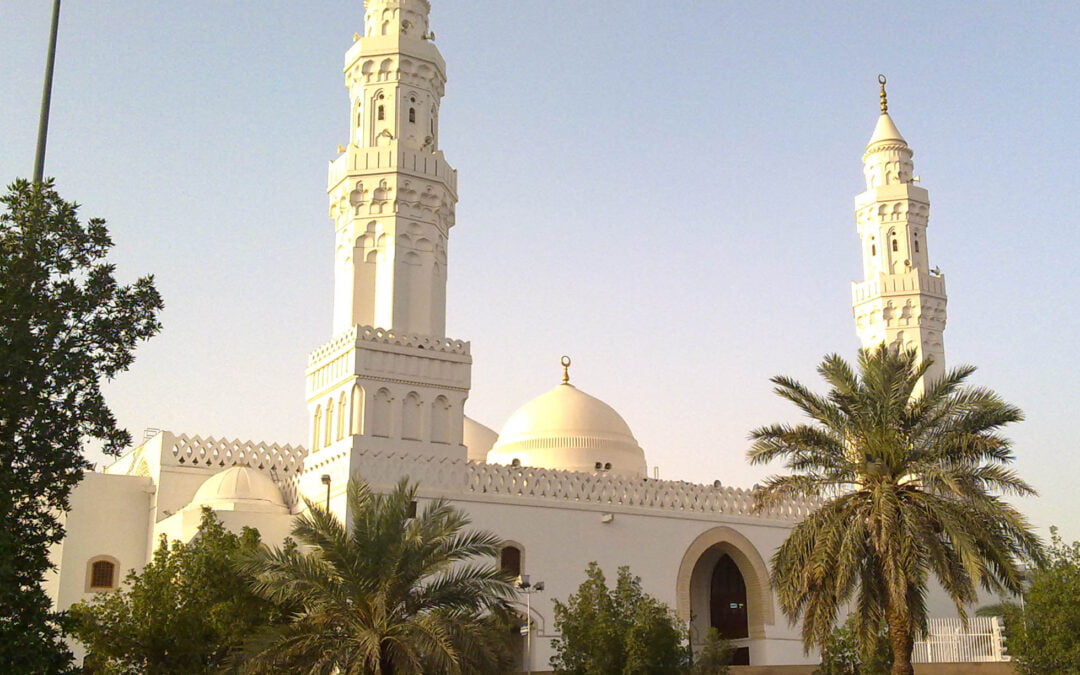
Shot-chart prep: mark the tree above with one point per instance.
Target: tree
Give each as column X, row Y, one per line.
column 841, row 654
column 621, row 630
column 715, row 655
column 908, row 486
column 393, row 592
column 188, row 611
column 65, row 325
column 1043, row 634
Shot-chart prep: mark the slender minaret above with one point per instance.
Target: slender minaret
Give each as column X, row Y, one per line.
column 901, row 301
column 389, row 380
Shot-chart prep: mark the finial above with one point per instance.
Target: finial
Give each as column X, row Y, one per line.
column 884, row 99
column 565, row 361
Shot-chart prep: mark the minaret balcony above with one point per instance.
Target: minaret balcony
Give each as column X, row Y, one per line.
column 375, row 161
column 915, row 282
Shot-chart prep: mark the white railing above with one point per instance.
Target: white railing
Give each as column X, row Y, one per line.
column 948, row 641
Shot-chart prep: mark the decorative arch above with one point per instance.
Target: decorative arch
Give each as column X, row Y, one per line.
column 316, row 428
column 328, row 429
column 697, row 566
column 380, row 414
column 440, row 420
column 342, row 417
column 102, row 574
column 357, row 410
column 411, row 417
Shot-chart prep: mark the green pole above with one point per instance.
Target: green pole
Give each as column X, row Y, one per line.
column 46, row 96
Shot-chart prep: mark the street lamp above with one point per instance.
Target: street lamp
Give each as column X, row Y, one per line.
column 528, row 589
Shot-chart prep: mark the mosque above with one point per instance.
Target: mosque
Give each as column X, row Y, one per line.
column 564, row 482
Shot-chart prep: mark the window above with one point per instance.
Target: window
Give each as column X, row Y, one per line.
column 382, row 113
column 510, row 560
column 916, row 243
column 101, row 573
column 895, row 246
column 412, row 115
column 873, row 249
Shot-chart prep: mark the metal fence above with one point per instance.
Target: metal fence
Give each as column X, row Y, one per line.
column 948, row 641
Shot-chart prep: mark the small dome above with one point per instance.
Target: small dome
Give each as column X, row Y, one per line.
column 478, row 439
column 240, row 488
column 569, row 430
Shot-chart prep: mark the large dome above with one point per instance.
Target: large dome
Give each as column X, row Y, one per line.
column 240, row 488
column 568, row 429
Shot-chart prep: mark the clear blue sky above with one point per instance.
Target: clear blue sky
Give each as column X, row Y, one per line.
column 661, row 190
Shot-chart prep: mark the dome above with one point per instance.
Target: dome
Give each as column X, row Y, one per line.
column 569, row 430
column 478, row 439
column 240, row 488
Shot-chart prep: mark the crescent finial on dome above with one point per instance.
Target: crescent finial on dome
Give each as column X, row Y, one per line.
column 565, row 361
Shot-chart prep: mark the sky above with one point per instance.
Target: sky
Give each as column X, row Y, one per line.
column 663, row 191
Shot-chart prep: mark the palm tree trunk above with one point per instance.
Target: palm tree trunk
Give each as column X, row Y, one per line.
column 902, row 642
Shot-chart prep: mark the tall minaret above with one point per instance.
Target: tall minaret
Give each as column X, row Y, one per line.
column 389, row 381
column 901, row 301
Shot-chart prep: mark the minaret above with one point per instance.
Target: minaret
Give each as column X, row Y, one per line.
column 901, row 301
column 389, row 380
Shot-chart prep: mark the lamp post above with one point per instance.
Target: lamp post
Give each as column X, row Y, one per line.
column 326, row 482
column 46, row 97
column 528, row 589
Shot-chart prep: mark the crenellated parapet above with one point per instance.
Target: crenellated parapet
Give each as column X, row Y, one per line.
column 496, row 482
column 221, row 453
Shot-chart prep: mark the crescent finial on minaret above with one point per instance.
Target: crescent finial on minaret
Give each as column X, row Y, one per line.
column 884, row 99
column 565, row 361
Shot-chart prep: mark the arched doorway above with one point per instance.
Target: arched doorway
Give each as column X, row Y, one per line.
column 727, row 605
column 723, row 583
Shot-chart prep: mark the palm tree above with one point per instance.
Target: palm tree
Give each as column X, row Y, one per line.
column 908, row 485
column 392, row 592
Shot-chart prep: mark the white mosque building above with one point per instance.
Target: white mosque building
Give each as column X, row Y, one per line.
column 564, row 482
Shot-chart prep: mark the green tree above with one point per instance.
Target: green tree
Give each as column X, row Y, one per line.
column 1043, row 634
column 393, row 592
column 714, row 656
column 188, row 611
column 65, row 325
column 841, row 653
column 909, row 486
column 619, row 630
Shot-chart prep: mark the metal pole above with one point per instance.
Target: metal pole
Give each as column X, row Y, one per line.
column 46, row 96
column 528, row 635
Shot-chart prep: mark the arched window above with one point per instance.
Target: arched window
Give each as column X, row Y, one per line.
column 102, row 573
column 895, row 246
column 873, row 249
column 412, row 115
column 381, row 112
column 510, row 560
column 916, row 243
column 316, row 431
